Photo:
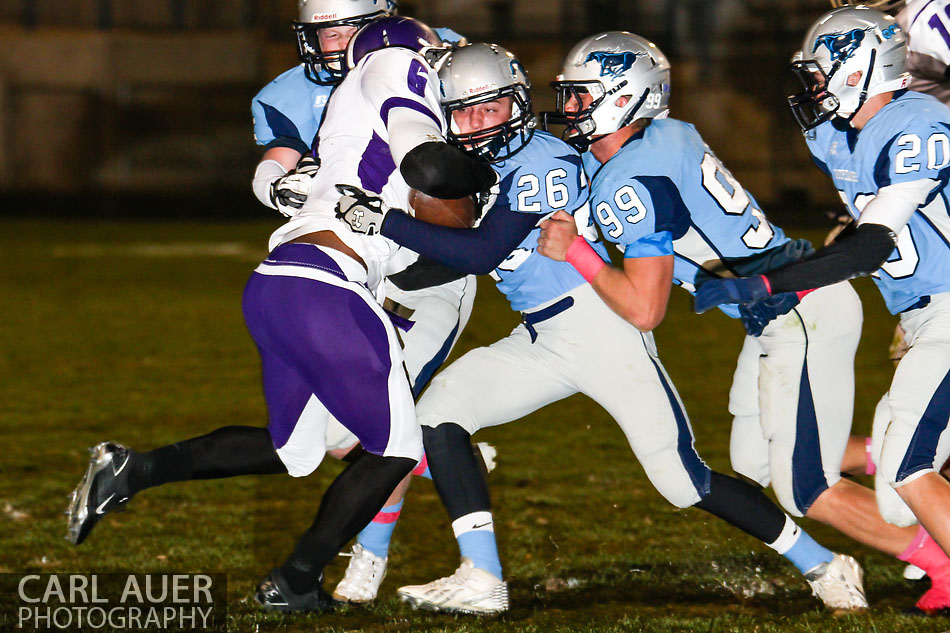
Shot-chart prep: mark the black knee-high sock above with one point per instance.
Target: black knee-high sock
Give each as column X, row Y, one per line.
column 226, row 452
column 348, row 505
column 745, row 506
column 456, row 473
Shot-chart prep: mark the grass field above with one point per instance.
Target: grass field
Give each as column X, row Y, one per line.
column 133, row 332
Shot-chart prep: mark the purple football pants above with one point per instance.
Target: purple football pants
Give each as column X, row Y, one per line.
column 321, row 334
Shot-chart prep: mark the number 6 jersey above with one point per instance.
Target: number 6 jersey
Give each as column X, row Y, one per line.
column 907, row 140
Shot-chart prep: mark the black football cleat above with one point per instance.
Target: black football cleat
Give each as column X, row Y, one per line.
column 103, row 489
column 274, row 594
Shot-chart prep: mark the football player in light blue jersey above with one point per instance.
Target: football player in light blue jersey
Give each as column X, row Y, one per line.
column 887, row 150
column 287, row 114
column 287, row 111
column 661, row 194
column 569, row 341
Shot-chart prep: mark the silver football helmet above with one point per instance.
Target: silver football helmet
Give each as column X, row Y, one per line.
column 841, row 43
column 609, row 66
column 321, row 14
column 880, row 5
column 479, row 73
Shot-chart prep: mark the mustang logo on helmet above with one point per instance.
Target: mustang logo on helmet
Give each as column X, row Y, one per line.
column 842, row 46
column 614, row 63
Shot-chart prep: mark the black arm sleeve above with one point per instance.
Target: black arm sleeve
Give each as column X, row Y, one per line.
column 471, row 251
column 860, row 253
column 443, row 171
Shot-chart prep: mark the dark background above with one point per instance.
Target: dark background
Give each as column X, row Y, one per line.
column 113, row 108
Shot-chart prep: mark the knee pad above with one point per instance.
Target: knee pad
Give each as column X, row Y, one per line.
column 889, row 503
column 676, row 483
column 748, row 453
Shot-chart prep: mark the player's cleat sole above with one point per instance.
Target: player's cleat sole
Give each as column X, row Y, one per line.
column 364, row 574
column 469, row 591
column 102, row 489
column 273, row 594
column 840, row 585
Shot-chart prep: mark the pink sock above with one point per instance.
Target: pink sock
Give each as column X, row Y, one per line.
column 870, row 468
column 924, row 552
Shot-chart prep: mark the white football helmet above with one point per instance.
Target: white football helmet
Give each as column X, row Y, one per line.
column 609, row 66
column 321, row 14
column 880, row 5
column 843, row 42
column 485, row 72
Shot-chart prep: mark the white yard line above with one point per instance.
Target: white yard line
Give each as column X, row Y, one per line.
column 238, row 250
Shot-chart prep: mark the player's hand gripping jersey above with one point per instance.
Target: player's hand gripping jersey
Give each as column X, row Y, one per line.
column 388, row 89
column 665, row 193
column 908, row 141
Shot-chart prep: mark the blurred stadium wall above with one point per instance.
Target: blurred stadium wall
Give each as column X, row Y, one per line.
column 121, row 107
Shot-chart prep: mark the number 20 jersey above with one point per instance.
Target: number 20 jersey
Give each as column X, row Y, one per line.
column 665, row 193
column 907, row 140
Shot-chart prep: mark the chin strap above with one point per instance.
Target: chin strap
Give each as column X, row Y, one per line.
column 867, row 82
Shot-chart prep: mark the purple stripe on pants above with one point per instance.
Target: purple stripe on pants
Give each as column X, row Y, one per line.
column 317, row 338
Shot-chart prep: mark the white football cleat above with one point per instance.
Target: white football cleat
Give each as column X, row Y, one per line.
column 913, row 572
column 489, row 453
column 839, row 584
column 469, row 590
column 363, row 576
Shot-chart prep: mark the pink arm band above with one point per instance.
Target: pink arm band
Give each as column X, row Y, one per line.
column 582, row 257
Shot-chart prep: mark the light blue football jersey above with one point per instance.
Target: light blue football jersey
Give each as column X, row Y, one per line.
column 907, row 140
column 665, row 192
column 290, row 107
column 544, row 176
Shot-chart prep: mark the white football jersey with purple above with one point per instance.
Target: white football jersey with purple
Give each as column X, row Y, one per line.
column 353, row 147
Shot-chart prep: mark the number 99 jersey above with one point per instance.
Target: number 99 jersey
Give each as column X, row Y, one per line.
column 907, row 140
column 665, row 193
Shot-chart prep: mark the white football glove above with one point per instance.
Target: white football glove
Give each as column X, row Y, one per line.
column 290, row 191
column 363, row 212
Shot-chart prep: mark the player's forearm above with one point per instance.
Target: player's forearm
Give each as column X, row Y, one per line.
column 640, row 293
column 472, row 251
column 623, row 298
column 861, row 253
column 442, row 171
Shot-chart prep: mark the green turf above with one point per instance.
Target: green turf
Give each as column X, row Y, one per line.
column 133, row 332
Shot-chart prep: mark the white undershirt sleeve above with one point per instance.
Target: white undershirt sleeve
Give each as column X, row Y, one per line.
column 408, row 129
column 894, row 204
column 266, row 173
